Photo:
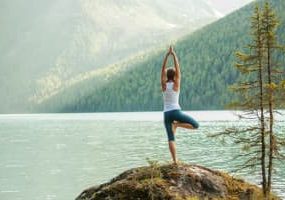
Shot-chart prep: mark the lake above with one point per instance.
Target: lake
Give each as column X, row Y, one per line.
column 56, row 156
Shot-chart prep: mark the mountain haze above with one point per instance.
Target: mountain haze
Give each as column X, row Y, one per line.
column 46, row 45
column 207, row 62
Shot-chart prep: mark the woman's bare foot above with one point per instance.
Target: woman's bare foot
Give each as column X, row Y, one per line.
column 176, row 163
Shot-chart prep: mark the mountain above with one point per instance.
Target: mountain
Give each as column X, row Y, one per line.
column 45, row 44
column 207, row 61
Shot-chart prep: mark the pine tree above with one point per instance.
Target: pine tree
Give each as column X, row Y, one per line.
column 252, row 97
column 250, row 100
column 260, row 92
column 273, row 79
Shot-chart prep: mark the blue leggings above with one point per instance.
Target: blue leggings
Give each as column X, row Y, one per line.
column 180, row 117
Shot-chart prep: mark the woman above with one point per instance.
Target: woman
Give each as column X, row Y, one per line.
column 173, row 116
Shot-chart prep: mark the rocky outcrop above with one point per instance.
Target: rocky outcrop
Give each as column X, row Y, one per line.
column 177, row 182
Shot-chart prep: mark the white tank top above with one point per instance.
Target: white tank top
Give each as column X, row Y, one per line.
column 171, row 98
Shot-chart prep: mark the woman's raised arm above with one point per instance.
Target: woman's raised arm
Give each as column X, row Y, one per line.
column 163, row 72
column 177, row 69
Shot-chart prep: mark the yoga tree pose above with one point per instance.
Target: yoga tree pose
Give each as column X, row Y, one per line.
column 173, row 116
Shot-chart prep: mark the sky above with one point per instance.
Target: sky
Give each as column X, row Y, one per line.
column 227, row 6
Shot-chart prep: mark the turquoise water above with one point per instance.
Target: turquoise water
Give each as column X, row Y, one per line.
column 56, row 156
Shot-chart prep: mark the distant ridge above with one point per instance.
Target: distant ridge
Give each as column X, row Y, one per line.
column 46, row 44
column 206, row 58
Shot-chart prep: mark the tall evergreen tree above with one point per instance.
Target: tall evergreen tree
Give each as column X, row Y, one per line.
column 250, row 101
column 251, row 92
column 273, row 79
column 259, row 94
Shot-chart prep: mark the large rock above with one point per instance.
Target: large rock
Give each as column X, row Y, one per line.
column 179, row 182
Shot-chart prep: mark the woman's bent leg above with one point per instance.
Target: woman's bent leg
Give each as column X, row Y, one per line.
column 185, row 120
column 184, row 125
column 176, row 125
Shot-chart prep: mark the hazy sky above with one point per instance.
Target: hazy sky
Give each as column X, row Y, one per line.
column 226, row 6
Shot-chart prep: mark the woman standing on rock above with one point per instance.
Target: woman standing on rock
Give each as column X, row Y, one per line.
column 173, row 116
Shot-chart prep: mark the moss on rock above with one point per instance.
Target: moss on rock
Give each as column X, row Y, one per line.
column 173, row 182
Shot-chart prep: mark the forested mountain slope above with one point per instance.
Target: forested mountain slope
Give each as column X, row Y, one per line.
column 44, row 45
column 207, row 60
